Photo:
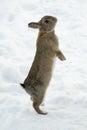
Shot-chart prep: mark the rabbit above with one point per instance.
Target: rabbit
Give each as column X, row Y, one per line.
column 47, row 49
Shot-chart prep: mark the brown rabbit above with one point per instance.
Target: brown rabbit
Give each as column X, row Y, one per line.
column 47, row 49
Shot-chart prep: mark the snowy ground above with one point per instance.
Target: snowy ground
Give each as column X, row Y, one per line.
column 66, row 99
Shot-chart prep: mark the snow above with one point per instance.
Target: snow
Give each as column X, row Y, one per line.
column 66, row 98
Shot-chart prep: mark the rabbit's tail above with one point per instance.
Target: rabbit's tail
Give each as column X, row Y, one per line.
column 22, row 85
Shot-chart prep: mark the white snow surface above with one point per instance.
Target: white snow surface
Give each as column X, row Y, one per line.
column 66, row 97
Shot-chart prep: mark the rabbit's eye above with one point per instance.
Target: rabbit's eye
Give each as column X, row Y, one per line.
column 46, row 21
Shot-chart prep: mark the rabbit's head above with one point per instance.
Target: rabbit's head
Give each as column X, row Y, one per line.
column 46, row 24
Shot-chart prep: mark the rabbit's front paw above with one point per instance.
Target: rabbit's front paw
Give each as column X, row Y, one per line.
column 60, row 55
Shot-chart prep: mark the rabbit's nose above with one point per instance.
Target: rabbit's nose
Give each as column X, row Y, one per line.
column 54, row 19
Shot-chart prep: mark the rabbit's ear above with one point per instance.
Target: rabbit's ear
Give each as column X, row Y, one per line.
column 34, row 25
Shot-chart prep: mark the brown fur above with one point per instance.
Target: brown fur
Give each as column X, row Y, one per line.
column 40, row 73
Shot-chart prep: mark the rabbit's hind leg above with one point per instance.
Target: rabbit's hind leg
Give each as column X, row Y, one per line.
column 36, row 105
